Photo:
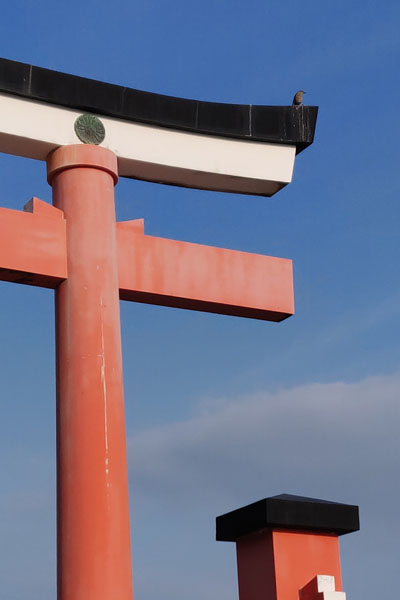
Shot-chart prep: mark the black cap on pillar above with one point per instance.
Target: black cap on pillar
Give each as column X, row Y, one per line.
column 288, row 512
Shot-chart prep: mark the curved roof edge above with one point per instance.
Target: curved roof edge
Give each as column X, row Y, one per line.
column 292, row 125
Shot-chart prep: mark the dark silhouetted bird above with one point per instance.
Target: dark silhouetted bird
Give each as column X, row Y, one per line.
column 298, row 98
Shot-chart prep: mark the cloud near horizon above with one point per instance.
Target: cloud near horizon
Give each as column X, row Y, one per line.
column 325, row 439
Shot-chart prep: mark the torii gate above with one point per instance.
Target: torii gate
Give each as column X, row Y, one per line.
column 76, row 248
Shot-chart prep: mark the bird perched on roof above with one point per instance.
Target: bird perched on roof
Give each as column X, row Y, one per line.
column 298, row 98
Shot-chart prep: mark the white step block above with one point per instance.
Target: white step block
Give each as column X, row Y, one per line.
column 324, row 583
column 317, row 585
column 322, row 587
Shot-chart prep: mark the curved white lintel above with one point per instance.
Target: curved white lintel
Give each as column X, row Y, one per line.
column 32, row 129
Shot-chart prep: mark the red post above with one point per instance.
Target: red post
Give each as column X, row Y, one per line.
column 287, row 547
column 94, row 561
column 277, row 564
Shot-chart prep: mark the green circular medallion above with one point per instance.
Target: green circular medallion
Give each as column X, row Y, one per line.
column 89, row 129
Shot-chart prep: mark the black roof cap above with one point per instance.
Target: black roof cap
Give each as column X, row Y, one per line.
column 288, row 512
column 294, row 125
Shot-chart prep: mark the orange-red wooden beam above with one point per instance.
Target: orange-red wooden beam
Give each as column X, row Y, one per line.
column 151, row 270
column 184, row 275
column 33, row 245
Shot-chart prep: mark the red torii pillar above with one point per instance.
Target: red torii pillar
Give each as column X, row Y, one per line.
column 93, row 510
column 77, row 248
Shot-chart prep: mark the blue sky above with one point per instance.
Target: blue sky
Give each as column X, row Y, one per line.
column 223, row 411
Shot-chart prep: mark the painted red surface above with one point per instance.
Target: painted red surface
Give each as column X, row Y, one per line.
column 275, row 565
column 300, row 556
column 150, row 269
column 183, row 275
column 33, row 245
column 94, row 559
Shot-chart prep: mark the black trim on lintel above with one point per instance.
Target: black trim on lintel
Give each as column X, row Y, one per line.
column 288, row 512
column 293, row 125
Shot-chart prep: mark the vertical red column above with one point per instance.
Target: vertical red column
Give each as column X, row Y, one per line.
column 94, row 561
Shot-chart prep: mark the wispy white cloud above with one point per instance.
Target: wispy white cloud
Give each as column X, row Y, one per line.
column 318, row 436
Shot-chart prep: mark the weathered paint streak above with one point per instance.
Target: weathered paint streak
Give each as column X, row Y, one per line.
column 103, row 379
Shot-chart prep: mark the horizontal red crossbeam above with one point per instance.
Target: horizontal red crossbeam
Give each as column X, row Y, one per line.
column 183, row 275
column 33, row 245
column 151, row 270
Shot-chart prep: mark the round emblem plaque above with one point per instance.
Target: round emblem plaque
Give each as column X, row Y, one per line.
column 89, row 129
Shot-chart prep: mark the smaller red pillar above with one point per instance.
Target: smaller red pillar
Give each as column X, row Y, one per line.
column 285, row 542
